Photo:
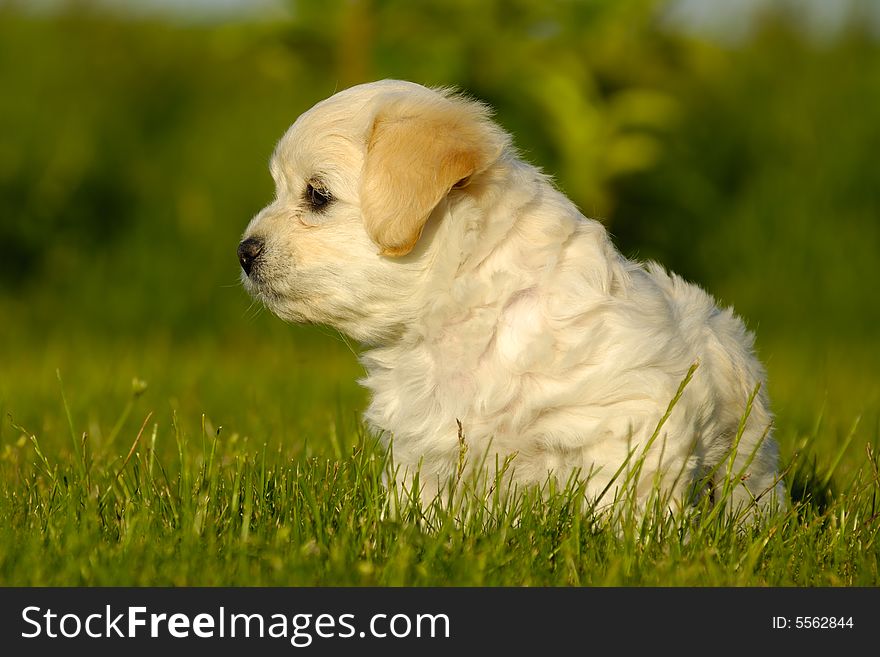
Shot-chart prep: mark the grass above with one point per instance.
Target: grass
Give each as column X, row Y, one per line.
column 113, row 489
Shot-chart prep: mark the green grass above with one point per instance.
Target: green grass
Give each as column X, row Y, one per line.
column 138, row 487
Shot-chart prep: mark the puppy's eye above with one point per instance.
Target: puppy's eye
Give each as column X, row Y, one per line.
column 317, row 197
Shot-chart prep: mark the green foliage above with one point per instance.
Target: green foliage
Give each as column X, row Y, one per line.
column 205, row 507
column 135, row 152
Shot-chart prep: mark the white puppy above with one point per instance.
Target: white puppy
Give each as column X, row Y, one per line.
column 405, row 219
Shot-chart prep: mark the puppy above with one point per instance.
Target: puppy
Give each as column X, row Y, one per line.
column 495, row 317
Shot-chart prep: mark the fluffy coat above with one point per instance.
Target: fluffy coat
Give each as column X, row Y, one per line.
column 405, row 219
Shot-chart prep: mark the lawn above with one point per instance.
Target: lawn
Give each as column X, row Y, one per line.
column 234, row 464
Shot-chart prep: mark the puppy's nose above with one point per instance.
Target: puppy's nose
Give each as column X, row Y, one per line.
column 248, row 251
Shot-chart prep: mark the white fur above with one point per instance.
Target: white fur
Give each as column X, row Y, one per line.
column 513, row 314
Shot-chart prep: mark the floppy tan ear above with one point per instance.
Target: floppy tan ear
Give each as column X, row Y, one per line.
column 418, row 150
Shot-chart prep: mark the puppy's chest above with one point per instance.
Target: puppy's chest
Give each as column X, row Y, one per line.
column 476, row 371
column 414, row 389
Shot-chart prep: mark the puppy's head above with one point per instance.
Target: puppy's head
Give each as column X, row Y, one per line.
column 357, row 178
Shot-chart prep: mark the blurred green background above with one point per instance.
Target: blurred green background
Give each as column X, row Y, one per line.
column 739, row 149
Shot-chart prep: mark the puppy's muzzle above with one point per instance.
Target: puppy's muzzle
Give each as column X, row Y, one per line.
column 248, row 252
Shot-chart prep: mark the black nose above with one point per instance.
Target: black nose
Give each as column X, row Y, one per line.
column 248, row 251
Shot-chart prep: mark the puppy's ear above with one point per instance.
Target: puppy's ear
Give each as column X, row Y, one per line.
column 417, row 151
